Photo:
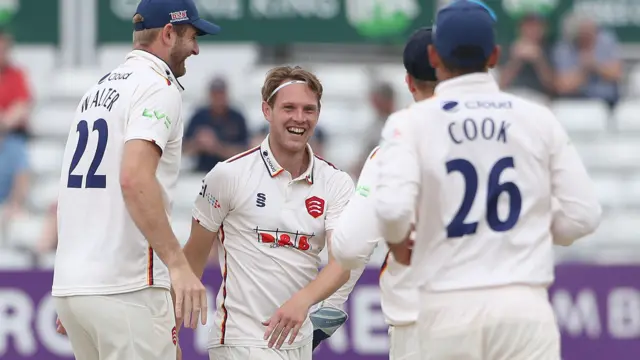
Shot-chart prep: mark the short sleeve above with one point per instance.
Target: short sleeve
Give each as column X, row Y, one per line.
column 155, row 115
column 354, row 239
column 563, row 58
column 215, row 198
column 340, row 188
column 608, row 49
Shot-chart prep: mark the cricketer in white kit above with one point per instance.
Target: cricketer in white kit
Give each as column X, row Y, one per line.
column 496, row 183
column 117, row 256
column 357, row 234
column 272, row 223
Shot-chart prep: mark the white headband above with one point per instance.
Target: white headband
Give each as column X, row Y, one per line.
column 284, row 85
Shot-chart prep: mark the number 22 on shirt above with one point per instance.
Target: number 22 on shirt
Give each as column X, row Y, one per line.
column 93, row 180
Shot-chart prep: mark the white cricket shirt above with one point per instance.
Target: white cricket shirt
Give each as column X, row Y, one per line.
column 100, row 249
column 482, row 167
column 272, row 229
column 356, row 237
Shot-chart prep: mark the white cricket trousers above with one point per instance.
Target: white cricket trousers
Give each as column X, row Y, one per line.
column 256, row 353
column 403, row 342
column 506, row 323
column 138, row 325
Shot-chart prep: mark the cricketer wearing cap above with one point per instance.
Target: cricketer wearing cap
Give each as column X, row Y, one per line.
column 117, row 256
column 356, row 235
column 274, row 208
column 496, row 183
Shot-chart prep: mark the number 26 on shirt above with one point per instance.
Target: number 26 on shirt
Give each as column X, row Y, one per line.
column 93, row 181
column 458, row 227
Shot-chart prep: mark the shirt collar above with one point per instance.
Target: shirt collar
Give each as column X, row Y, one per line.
column 158, row 65
column 275, row 169
column 476, row 82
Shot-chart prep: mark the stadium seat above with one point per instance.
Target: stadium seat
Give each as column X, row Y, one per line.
column 633, row 79
column 186, row 191
column 25, row 231
column 111, row 55
column 610, row 153
column 626, row 115
column 182, row 227
column 72, row 83
column 45, row 156
column 338, row 119
column 582, row 115
column 44, row 193
column 52, row 120
column 610, row 190
column 46, row 261
column 619, row 230
column 39, row 63
column 349, row 82
column 13, row 260
column 631, row 191
column 344, row 151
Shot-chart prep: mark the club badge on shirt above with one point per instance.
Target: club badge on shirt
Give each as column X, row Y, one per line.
column 315, row 206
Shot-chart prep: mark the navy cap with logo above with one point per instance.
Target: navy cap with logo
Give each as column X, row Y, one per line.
column 416, row 57
column 464, row 34
column 158, row 13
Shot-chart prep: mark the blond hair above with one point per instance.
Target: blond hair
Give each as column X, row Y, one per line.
column 144, row 38
column 278, row 75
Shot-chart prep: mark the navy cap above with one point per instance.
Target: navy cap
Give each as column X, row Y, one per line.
column 416, row 57
column 158, row 13
column 464, row 33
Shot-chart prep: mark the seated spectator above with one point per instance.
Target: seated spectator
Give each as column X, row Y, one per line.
column 15, row 96
column 527, row 61
column 382, row 98
column 587, row 61
column 317, row 141
column 216, row 132
column 383, row 102
column 14, row 176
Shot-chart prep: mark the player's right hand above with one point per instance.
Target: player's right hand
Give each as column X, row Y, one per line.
column 402, row 251
column 190, row 296
column 59, row 328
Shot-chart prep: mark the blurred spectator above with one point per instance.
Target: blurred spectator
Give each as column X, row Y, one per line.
column 527, row 61
column 317, row 141
column 587, row 61
column 14, row 176
column 383, row 101
column 216, row 132
column 15, row 96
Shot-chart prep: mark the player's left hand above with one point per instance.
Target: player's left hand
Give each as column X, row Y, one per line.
column 288, row 319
